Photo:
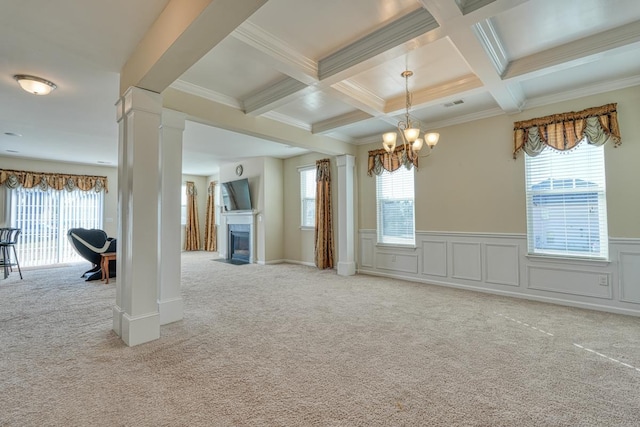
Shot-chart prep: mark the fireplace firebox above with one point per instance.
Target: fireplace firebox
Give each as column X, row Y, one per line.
column 239, row 243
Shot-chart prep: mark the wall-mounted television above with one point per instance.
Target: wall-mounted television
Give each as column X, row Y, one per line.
column 236, row 195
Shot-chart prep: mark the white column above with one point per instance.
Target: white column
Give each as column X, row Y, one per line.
column 123, row 212
column 136, row 317
column 170, row 304
column 346, row 218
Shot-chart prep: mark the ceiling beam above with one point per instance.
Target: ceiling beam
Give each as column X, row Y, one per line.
column 208, row 112
column 333, row 123
column 183, row 33
column 275, row 95
column 278, row 53
column 339, row 65
column 573, row 53
column 400, row 31
column 450, row 18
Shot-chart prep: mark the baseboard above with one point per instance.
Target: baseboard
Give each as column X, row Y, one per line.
column 510, row 294
column 294, row 261
column 275, row 261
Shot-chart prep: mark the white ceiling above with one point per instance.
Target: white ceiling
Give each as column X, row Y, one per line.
column 331, row 67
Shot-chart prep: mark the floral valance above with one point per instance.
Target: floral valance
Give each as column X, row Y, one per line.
column 564, row 131
column 380, row 160
column 56, row 181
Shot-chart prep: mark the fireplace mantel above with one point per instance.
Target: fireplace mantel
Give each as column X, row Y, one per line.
column 238, row 217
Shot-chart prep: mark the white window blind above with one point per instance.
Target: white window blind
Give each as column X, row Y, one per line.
column 183, row 205
column 395, row 207
column 45, row 217
column 567, row 203
column 308, row 197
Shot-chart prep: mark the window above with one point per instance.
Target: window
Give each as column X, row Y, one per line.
column 394, row 199
column 183, row 205
column 308, row 197
column 566, row 202
column 46, row 216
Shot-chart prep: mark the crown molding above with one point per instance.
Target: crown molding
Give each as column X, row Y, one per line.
column 578, row 50
column 486, row 34
column 594, row 89
column 272, row 46
column 484, row 114
column 209, row 94
column 287, row 120
column 434, row 94
column 360, row 97
column 329, row 125
column 268, row 98
column 391, row 35
column 468, row 6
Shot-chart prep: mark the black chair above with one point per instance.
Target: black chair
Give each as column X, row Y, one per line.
column 8, row 240
column 90, row 244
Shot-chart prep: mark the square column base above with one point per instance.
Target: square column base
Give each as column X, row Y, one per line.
column 140, row 329
column 346, row 268
column 171, row 310
column 117, row 320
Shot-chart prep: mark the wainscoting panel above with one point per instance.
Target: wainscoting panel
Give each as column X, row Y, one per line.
column 629, row 271
column 397, row 262
column 501, row 264
column 576, row 282
column 466, row 261
column 434, row 258
column 367, row 245
column 498, row 263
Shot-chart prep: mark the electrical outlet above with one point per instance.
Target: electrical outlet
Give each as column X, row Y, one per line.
column 603, row 280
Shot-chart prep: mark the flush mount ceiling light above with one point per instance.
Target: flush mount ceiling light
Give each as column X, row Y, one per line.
column 35, row 85
column 409, row 131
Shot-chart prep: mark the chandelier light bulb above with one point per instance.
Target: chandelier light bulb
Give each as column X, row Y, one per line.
column 432, row 139
column 411, row 134
column 389, row 141
column 417, row 144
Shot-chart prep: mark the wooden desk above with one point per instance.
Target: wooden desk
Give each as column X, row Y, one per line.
column 104, row 264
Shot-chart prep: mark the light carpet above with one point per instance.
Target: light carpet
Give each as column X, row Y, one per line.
column 289, row 345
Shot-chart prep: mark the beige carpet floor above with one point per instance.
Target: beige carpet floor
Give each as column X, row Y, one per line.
column 288, row 345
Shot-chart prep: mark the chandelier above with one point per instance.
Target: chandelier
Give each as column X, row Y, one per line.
column 409, row 131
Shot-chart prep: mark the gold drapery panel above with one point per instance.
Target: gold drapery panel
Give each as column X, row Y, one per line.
column 56, row 181
column 564, row 131
column 380, row 160
column 324, row 226
column 210, row 237
column 192, row 229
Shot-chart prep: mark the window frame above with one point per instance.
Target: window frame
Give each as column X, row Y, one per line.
column 400, row 176
column 45, row 222
column 306, row 172
column 566, row 194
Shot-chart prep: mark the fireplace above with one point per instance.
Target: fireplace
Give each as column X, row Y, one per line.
column 239, row 242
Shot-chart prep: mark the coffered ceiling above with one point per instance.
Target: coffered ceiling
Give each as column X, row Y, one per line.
column 330, row 67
